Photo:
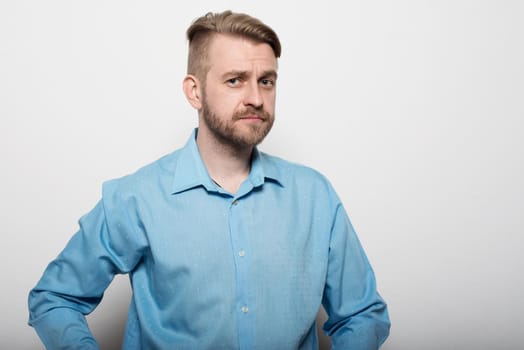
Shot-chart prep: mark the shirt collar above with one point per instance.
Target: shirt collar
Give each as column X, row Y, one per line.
column 190, row 171
column 263, row 168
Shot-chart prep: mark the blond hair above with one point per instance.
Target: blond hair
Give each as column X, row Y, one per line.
column 202, row 30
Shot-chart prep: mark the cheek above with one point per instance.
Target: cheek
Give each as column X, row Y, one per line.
column 269, row 100
column 222, row 103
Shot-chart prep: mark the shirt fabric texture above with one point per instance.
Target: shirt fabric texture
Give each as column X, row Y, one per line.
column 212, row 270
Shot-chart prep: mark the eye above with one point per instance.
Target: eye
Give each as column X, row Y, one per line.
column 267, row 82
column 233, row 82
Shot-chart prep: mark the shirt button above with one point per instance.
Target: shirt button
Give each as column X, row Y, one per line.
column 241, row 253
column 244, row 309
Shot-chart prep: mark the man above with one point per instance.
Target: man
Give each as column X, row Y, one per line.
column 226, row 247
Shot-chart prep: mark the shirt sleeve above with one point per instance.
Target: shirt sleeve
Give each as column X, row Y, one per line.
column 357, row 315
column 73, row 284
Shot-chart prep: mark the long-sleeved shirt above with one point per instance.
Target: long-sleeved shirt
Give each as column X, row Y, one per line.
column 213, row 270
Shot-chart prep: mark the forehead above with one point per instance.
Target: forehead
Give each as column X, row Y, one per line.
column 230, row 52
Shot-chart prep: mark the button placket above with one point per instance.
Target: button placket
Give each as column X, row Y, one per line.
column 240, row 248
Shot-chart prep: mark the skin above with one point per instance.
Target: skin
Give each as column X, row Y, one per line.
column 236, row 106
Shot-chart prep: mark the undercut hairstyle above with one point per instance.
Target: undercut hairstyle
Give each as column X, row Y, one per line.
column 204, row 28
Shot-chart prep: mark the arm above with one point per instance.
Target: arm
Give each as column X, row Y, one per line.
column 357, row 315
column 73, row 284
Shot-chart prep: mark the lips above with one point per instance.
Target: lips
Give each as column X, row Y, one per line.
column 252, row 117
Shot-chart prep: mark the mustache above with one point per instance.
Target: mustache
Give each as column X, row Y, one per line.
column 250, row 111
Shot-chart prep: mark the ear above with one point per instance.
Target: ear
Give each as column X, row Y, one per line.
column 191, row 87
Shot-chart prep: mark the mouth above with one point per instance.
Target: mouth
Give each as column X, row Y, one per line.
column 252, row 117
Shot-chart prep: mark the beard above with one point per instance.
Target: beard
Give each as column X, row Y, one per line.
column 227, row 132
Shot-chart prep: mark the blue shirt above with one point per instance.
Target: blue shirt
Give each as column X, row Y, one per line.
column 212, row 270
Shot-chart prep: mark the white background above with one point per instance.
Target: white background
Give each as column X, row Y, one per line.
column 413, row 109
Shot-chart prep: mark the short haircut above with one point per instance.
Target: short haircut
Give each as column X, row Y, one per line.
column 204, row 28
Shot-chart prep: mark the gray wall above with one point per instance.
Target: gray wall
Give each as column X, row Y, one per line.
column 413, row 109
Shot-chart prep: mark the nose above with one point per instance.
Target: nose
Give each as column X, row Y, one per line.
column 253, row 95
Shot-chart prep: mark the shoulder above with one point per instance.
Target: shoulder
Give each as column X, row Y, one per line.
column 300, row 177
column 291, row 171
column 153, row 177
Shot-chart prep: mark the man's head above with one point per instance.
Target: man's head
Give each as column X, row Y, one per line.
column 232, row 72
column 205, row 28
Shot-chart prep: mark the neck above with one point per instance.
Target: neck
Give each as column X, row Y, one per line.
column 227, row 165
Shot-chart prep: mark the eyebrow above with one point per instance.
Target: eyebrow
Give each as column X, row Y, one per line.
column 242, row 74
column 270, row 74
